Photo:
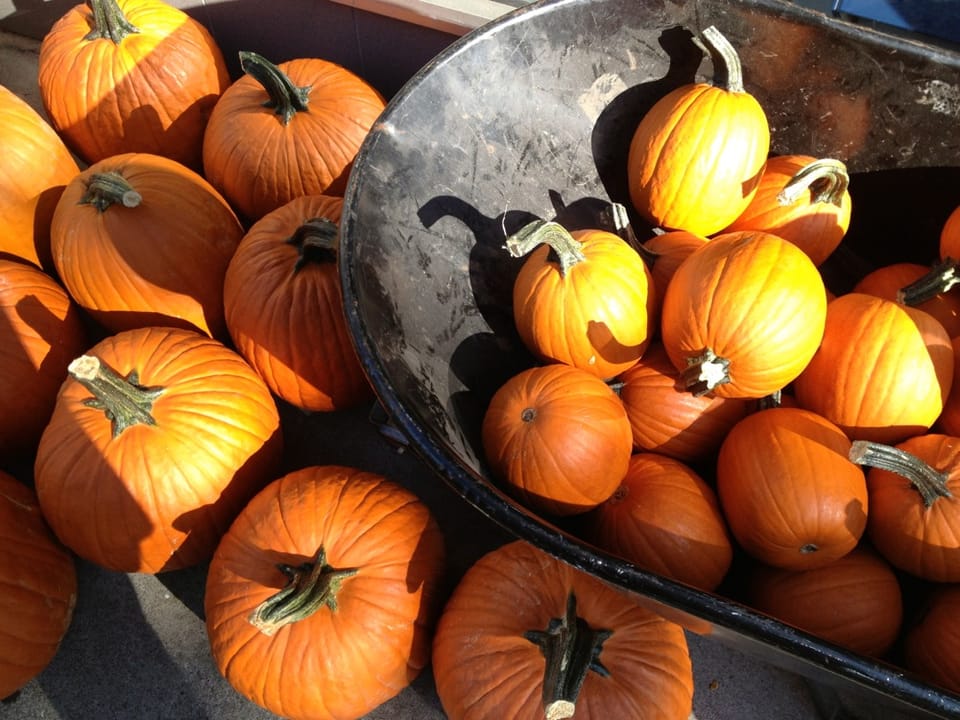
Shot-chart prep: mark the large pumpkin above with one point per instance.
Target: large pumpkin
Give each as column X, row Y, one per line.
column 284, row 308
column 158, row 439
column 321, row 599
column 286, row 130
column 120, row 76
column 139, row 239
column 38, row 588
column 525, row 635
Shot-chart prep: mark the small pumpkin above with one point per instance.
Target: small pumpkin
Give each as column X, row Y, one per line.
column 889, row 281
column 930, row 643
column 666, row 250
column 38, row 588
column 525, row 635
column 697, row 156
column 558, row 437
column 943, row 275
column 321, row 599
column 168, row 430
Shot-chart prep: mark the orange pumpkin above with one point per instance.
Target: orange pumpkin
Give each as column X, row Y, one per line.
column 286, row 130
column 948, row 422
column 743, row 315
column 333, row 568
column 791, row 495
column 888, row 282
column 525, row 635
column 284, row 309
column 165, row 429
column 119, row 76
column 667, row 250
column 930, row 644
column 943, row 275
column 697, row 156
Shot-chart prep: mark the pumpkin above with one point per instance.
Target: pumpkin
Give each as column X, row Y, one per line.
column 930, row 644
column 525, row 635
column 854, row 601
column 666, row 519
column 158, row 438
column 948, row 421
column 38, row 588
column 591, row 307
column 889, row 281
column 882, row 372
column 743, row 315
column 139, row 239
column 914, row 490
column 802, row 199
column 943, row 275
column 666, row 251
column 321, row 599
column 697, row 156
column 42, row 332
column 284, row 309
column 36, row 167
column 119, row 76
column 665, row 418
column 791, row 496
column 285, row 130
column 558, row 437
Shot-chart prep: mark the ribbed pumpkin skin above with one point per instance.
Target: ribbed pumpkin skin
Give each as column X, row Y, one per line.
column 337, row 664
column 558, row 437
column 41, row 332
column 882, row 372
column 791, row 496
column 930, row 646
column 38, row 588
column 666, row 519
column 696, row 158
column 753, row 299
column 888, row 280
column 160, row 263
column 259, row 163
column 176, row 484
column 151, row 93
column 486, row 669
column 598, row 317
column 289, row 324
column 36, row 167
column 672, row 248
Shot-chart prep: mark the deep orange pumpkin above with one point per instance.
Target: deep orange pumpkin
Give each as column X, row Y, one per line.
column 38, row 588
column 120, row 76
column 158, row 439
column 499, row 642
column 888, row 282
column 948, row 422
column 930, row 644
column 321, row 599
column 667, row 250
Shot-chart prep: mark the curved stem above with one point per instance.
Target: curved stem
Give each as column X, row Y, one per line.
column 286, row 99
column 704, row 372
column 540, row 232
column 615, row 217
column 309, row 587
column 727, row 70
column 316, row 241
column 110, row 188
column 571, row 649
column 124, row 401
column 938, row 280
column 929, row 482
column 826, row 179
column 109, row 22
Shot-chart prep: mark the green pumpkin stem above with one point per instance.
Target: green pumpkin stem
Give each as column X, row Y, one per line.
column 286, row 99
column 727, row 69
column 928, row 481
column 110, row 188
column 941, row 278
column 616, row 219
column 827, row 180
column 540, row 232
column 109, row 22
column 124, row 401
column 704, row 372
column 571, row 649
column 309, row 587
column 316, row 241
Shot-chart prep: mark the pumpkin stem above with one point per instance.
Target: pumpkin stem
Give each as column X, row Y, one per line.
column 124, row 401
column 727, row 70
column 109, row 22
column 286, row 99
column 929, row 482
column 316, row 242
column 540, row 232
column 110, row 188
column 826, row 179
column 941, row 277
column 704, row 372
column 615, row 217
column 309, row 587
column 571, row 649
